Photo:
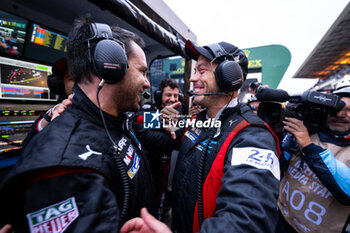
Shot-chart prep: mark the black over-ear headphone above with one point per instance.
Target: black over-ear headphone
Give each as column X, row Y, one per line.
column 158, row 98
column 56, row 84
column 55, row 81
column 108, row 55
column 228, row 74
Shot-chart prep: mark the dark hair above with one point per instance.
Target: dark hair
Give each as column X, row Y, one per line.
column 168, row 83
column 126, row 37
column 77, row 47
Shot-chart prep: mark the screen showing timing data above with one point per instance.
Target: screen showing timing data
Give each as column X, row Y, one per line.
column 45, row 45
column 23, row 80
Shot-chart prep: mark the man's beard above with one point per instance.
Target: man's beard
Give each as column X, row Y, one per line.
column 125, row 105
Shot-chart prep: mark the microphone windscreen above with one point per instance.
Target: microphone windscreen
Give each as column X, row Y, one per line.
column 190, row 93
column 139, row 119
column 146, row 95
column 268, row 94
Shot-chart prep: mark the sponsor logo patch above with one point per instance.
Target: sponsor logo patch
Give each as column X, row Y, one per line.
column 191, row 136
column 256, row 157
column 128, row 156
column 204, row 144
column 196, row 131
column 87, row 154
column 232, row 121
column 135, row 167
column 111, row 66
column 121, row 144
column 54, row 218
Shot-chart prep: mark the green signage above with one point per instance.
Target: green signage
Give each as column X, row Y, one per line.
column 273, row 60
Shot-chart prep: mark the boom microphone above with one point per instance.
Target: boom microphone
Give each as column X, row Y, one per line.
column 146, row 95
column 268, row 94
column 191, row 93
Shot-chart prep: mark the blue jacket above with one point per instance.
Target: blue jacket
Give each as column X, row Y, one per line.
column 315, row 189
column 247, row 199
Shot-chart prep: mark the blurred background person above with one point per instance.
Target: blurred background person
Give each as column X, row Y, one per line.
column 162, row 164
column 60, row 83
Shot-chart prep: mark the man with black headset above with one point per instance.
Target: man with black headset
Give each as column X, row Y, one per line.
column 85, row 172
column 226, row 177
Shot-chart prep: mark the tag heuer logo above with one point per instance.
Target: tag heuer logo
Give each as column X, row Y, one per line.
column 54, row 218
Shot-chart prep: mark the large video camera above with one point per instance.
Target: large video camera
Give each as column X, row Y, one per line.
column 311, row 107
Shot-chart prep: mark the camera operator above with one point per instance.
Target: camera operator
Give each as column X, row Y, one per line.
column 315, row 197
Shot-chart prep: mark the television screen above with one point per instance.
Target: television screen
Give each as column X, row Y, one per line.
column 24, row 80
column 12, row 34
column 44, row 44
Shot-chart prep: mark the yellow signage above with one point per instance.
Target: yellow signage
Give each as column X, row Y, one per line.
column 179, row 70
column 247, row 52
column 254, row 63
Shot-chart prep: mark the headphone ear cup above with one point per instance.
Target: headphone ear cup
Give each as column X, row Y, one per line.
column 158, row 98
column 229, row 76
column 55, row 84
column 181, row 97
column 110, row 61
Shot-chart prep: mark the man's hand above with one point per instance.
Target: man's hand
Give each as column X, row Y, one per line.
column 61, row 107
column 6, row 229
column 57, row 110
column 299, row 131
column 146, row 224
column 195, row 110
column 169, row 114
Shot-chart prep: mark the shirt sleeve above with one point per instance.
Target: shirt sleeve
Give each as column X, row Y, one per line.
column 33, row 131
column 247, row 200
column 334, row 174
